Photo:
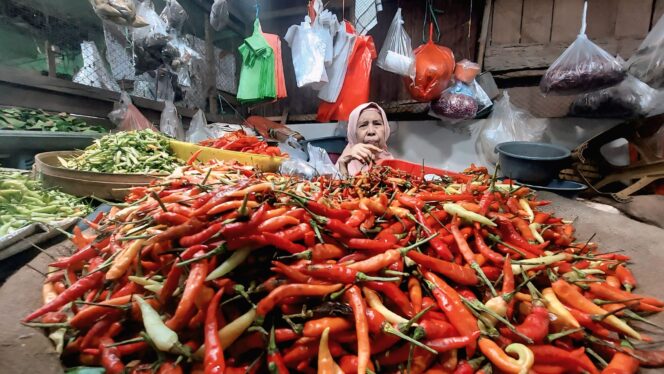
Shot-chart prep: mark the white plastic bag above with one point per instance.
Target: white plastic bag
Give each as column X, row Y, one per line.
column 506, row 123
column 583, row 67
column 157, row 27
column 630, row 98
column 198, row 129
column 219, row 14
column 336, row 71
column 170, row 122
column 127, row 117
column 308, row 50
column 396, row 55
column 173, row 15
column 647, row 63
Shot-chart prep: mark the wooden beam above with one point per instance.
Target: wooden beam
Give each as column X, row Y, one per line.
column 535, row 56
column 50, row 59
column 484, row 32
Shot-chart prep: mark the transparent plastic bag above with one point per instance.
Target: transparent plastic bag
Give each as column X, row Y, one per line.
column 198, row 129
column 157, row 27
column 173, row 15
column 456, row 102
column 466, row 71
column 630, row 98
column 647, row 63
column 434, row 65
column 170, row 122
column 583, row 67
column 320, row 160
column 219, row 14
column 484, row 102
column 307, row 45
column 127, row 117
column 296, row 167
column 506, row 123
column 396, row 55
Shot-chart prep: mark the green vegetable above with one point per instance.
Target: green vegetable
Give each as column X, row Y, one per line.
column 142, row 151
column 38, row 120
column 24, row 201
column 85, row 370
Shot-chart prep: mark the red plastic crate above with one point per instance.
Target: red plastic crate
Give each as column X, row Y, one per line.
column 418, row 169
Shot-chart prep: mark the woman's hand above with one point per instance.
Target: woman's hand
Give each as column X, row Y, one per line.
column 365, row 153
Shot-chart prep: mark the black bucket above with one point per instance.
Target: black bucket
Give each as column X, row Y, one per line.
column 530, row 162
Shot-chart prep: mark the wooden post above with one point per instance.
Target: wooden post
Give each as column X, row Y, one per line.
column 484, row 32
column 50, row 59
column 211, row 67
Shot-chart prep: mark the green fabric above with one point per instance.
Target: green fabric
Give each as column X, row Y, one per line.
column 257, row 73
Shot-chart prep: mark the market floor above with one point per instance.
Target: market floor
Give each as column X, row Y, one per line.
column 23, row 349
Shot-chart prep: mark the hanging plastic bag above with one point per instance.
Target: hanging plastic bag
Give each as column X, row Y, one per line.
column 336, row 71
column 434, row 65
column 119, row 12
column 355, row 89
column 506, row 123
column 156, row 31
column 257, row 81
column 279, row 80
column 219, row 14
column 198, row 129
column 456, row 102
column 647, row 63
column 396, row 55
column 173, row 15
column 170, row 122
column 127, row 117
column 308, row 53
column 583, row 67
column 465, row 71
column 631, row 98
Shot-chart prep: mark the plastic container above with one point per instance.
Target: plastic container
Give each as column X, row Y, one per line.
column 531, row 162
column 421, row 170
column 184, row 150
column 20, row 147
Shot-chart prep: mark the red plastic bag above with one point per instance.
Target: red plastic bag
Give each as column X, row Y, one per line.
column 127, row 117
column 355, row 90
column 434, row 65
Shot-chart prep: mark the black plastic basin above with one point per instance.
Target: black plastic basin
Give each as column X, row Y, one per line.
column 530, row 162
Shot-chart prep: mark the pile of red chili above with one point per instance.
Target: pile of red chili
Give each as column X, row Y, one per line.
column 241, row 142
column 223, row 270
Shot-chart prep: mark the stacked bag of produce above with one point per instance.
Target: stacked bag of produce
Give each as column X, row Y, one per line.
column 465, row 98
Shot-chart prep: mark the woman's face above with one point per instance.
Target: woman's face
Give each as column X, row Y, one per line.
column 370, row 128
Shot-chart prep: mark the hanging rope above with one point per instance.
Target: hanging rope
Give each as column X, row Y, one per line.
column 430, row 15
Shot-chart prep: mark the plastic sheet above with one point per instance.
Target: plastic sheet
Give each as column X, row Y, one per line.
column 583, row 67
column 630, row 98
column 647, row 63
column 396, row 55
column 170, row 122
column 506, row 123
column 127, row 117
column 434, row 65
column 173, row 15
column 308, row 51
column 219, row 14
column 355, row 90
column 198, row 129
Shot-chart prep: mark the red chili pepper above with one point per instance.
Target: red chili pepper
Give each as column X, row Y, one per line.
column 459, row 274
column 110, row 357
column 267, row 303
column 284, row 244
column 291, row 273
column 194, row 284
column 604, row 291
column 394, row 294
column 295, row 233
column 626, row 277
column 415, row 294
column 436, row 329
column 72, row 293
column 275, row 224
column 535, row 326
column 275, row 363
column 322, row 210
column 353, row 296
column 450, row 302
column 337, row 226
column 441, row 196
column 214, row 355
column 511, row 236
column 524, row 229
column 513, row 205
column 446, row 344
column 200, row 237
column 170, row 218
column 369, row 244
column 194, row 156
column 550, row 355
column 436, row 243
column 176, row 232
column 484, row 249
column 410, row 201
column 285, row 334
column 357, row 217
column 314, row 327
column 586, row 321
column 86, row 253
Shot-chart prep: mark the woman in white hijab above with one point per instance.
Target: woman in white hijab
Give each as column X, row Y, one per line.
column 368, row 131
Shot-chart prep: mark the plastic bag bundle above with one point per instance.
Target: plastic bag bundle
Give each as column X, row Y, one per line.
column 257, row 77
column 630, row 98
column 308, row 47
column 647, row 63
column 198, row 129
column 434, row 65
column 456, row 102
column 355, row 89
column 583, row 67
column 279, row 80
column 506, row 123
column 173, row 15
column 120, row 12
column 170, row 122
column 127, row 117
column 319, row 163
column 396, row 55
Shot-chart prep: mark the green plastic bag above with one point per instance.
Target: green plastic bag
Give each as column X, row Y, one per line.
column 257, row 74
